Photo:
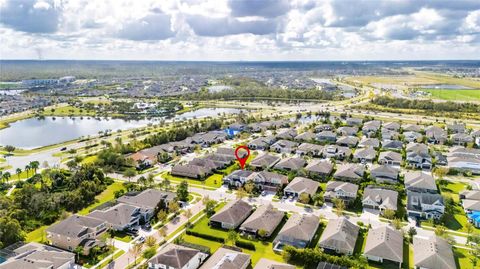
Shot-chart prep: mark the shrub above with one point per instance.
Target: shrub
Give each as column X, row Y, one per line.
column 245, row 244
column 150, row 252
column 206, row 236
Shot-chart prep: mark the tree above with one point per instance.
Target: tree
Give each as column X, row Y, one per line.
column 339, row 205
column 182, row 191
column 34, row 165
column 304, row 198
column 232, row 237
column 441, row 231
column 149, row 252
column 129, row 173
column 136, row 249
column 440, row 172
column 150, row 180
column 470, row 228
column 166, row 184
column 317, row 199
column 162, row 231
column 150, row 241
column 142, row 181
column 173, row 207
column 9, row 149
column 188, row 214
column 6, row 176
column 162, row 215
column 78, row 251
column 411, row 233
column 262, row 233
column 397, row 224
column 210, row 207
column 18, row 172
column 389, row 214
column 241, row 193
column 27, row 169
column 249, row 187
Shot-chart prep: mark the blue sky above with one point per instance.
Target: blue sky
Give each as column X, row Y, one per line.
column 240, row 29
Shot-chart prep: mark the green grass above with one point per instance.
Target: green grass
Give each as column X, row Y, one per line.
column 462, row 258
column 68, row 111
column 263, row 249
column 89, row 159
column 37, row 235
column 105, row 263
column 213, row 181
column 107, row 195
column 455, row 95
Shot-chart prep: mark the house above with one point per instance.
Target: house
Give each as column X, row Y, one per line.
column 264, row 161
column 291, row 164
column 339, row 236
column 323, row 127
column 370, row 128
column 149, row 201
column 413, row 136
column 77, row 231
column 284, row 146
column 461, row 139
column 38, row 256
column 464, row 152
column 420, row 182
column 269, row 264
column 227, row 258
column 470, row 205
column 472, row 195
column 326, row 265
column 440, row 159
column 327, row 137
column 412, row 128
column 432, row 253
column 347, row 141
column 231, row 215
column 418, row 156
column 425, row 205
column 392, row 145
column 435, row 135
column 209, row 138
column 309, row 149
column 301, row 185
column 336, row 152
column 190, row 171
column 392, row 126
column 238, row 177
column 340, row 190
column 144, row 158
column 349, row 172
column 474, row 218
column 389, row 134
column 265, row 219
column 384, row 243
column 468, row 164
column 298, row 231
column 289, row 134
column 270, row 181
column 211, row 163
column 379, row 198
column 390, row 158
column 354, row 121
column 305, row 137
column 456, row 128
column 347, row 131
column 384, row 173
column 119, row 217
column 364, row 155
column 177, row 257
column 369, row 142
column 261, row 143
column 319, row 169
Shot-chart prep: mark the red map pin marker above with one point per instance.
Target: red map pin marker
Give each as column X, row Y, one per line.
column 242, row 160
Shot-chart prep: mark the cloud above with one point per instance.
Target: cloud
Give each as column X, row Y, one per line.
column 30, row 16
column 155, row 26
column 216, row 27
column 260, row 8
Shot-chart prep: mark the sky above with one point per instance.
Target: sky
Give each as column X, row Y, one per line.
column 240, row 30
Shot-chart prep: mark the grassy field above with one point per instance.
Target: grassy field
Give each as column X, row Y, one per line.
column 37, row 235
column 462, row 258
column 213, row 181
column 455, row 95
column 67, row 111
column 107, row 195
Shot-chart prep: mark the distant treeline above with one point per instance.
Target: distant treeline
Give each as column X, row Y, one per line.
column 426, row 105
column 263, row 93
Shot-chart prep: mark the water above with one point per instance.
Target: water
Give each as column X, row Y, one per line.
column 34, row 133
column 10, row 92
column 446, row 87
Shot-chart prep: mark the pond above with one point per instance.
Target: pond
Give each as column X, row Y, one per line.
column 34, row 133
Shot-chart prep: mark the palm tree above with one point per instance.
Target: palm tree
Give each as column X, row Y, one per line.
column 34, row 165
column 135, row 250
column 27, row 169
column 19, row 171
column 6, row 176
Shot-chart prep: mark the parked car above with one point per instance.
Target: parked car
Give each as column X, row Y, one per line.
column 147, row 226
column 264, row 193
column 63, row 149
column 141, row 240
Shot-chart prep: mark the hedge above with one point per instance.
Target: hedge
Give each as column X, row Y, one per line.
column 314, row 256
column 206, row 236
column 245, row 245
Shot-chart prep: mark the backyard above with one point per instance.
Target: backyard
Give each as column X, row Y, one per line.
column 214, row 181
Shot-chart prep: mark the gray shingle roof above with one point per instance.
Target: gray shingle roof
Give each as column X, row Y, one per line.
column 266, row 218
column 233, row 211
column 433, row 252
column 174, row 256
column 340, row 234
column 419, row 180
column 300, row 227
column 303, row 185
column 385, row 242
column 38, row 256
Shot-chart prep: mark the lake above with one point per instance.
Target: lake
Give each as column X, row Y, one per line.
column 34, row 133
